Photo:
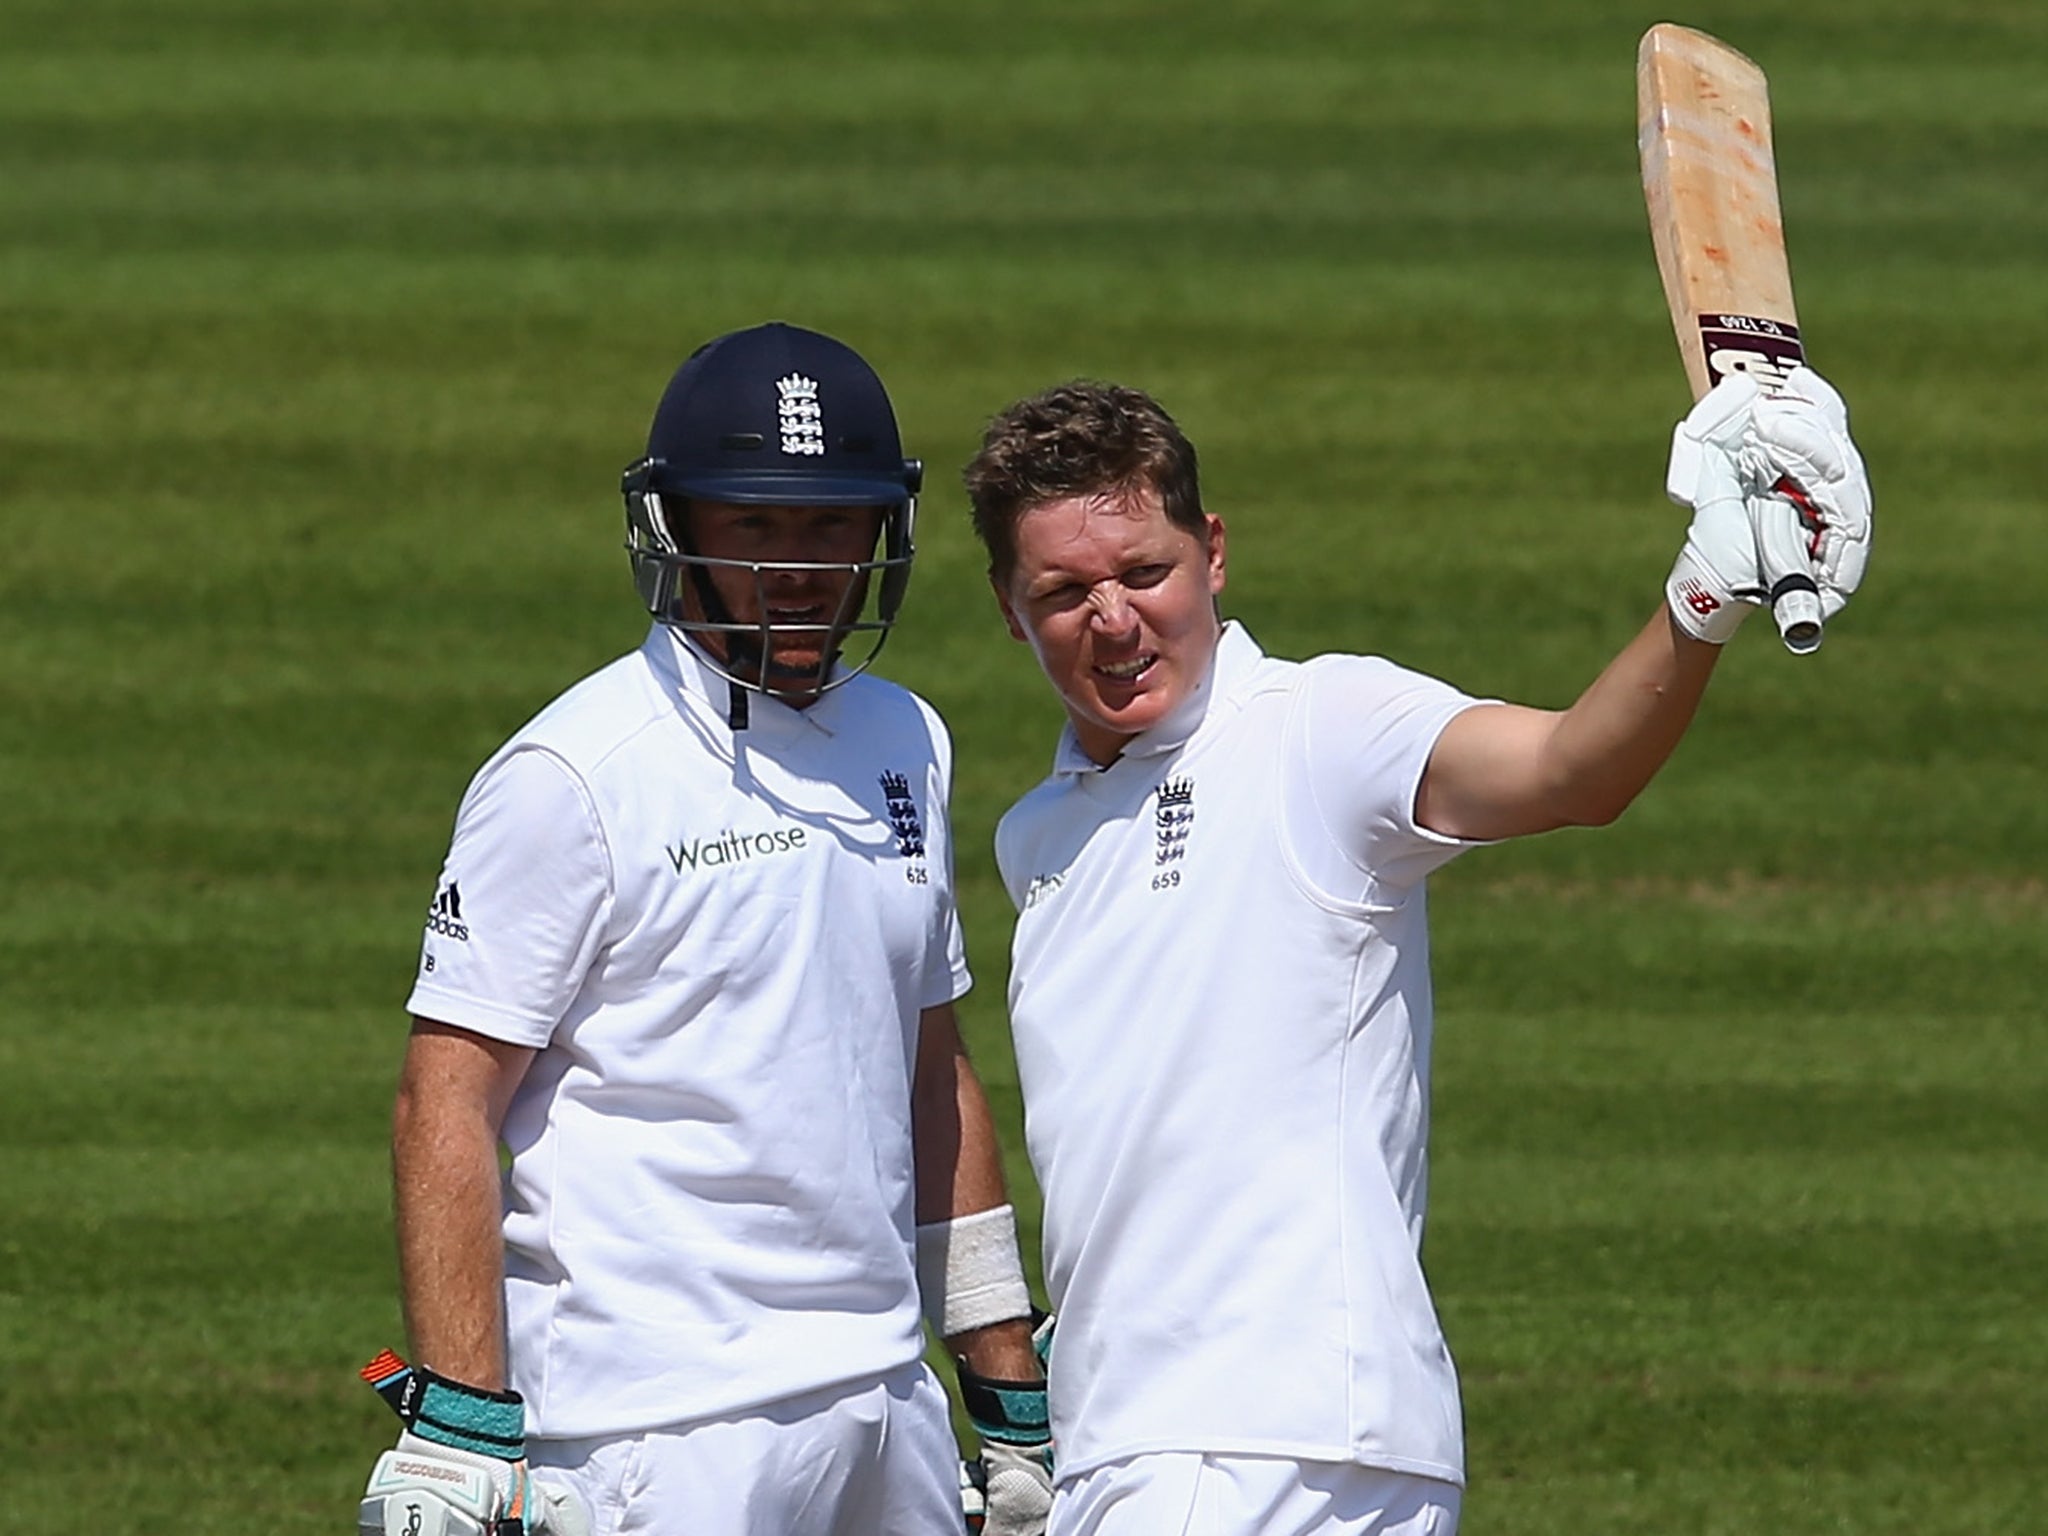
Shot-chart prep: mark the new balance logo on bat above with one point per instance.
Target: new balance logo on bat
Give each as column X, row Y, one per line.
column 1766, row 350
column 445, row 915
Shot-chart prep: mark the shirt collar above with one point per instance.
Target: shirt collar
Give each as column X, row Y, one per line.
column 1237, row 654
column 686, row 671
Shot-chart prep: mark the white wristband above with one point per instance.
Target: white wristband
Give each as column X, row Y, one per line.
column 969, row 1272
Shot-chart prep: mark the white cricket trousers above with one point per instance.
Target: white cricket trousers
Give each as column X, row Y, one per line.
column 1185, row 1493
column 874, row 1458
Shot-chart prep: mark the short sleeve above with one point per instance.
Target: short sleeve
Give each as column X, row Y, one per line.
column 1365, row 729
column 522, row 903
column 946, row 976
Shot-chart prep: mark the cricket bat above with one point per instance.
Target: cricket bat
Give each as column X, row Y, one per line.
column 1703, row 126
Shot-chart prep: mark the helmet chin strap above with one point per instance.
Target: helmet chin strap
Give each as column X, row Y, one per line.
column 736, row 706
column 737, row 709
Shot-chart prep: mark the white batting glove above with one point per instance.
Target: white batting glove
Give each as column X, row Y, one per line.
column 1014, row 1421
column 1717, row 579
column 1779, row 497
column 1017, row 1483
column 1798, row 448
column 443, row 1478
column 423, row 1489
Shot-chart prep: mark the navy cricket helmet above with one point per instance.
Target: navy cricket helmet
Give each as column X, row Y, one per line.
column 780, row 416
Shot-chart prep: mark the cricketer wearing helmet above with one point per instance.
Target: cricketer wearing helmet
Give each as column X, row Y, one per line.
column 691, row 961
column 1220, row 988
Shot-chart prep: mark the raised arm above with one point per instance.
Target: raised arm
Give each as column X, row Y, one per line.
column 1778, row 493
column 1503, row 770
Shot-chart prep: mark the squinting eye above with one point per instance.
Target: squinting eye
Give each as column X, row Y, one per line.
column 1147, row 575
column 842, row 526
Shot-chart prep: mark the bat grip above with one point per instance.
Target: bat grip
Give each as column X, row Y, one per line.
column 1784, row 551
column 1795, row 604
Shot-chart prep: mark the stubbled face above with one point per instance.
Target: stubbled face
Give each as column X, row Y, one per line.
column 1119, row 604
column 807, row 607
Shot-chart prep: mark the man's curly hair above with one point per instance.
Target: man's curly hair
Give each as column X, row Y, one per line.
column 1081, row 438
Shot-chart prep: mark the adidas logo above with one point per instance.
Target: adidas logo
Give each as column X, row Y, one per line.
column 1041, row 887
column 445, row 915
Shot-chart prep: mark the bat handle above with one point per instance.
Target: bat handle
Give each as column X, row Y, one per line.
column 1786, row 548
column 1795, row 604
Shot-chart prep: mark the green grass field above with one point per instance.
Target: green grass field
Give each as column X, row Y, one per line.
column 324, row 332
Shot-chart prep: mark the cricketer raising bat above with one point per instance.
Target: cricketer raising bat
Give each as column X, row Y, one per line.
column 1703, row 125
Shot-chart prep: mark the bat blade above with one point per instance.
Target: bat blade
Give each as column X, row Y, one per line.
column 1710, row 180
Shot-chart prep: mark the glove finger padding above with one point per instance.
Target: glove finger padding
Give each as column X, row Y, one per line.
column 1802, row 435
column 427, row 1490
column 1017, row 1484
column 1715, row 582
column 1703, row 445
column 427, row 1493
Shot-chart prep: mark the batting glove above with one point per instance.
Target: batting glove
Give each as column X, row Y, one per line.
column 459, row 1468
column 1780, row 500
column 1798, row 448
column 1014, row 1421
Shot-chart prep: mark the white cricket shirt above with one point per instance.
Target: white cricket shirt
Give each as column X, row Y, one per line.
column 720, row 945
column 1220, row 1000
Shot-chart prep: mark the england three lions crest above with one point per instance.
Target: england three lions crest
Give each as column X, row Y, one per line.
column 1173, row 819
column 903, row 818
column 800, row 415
